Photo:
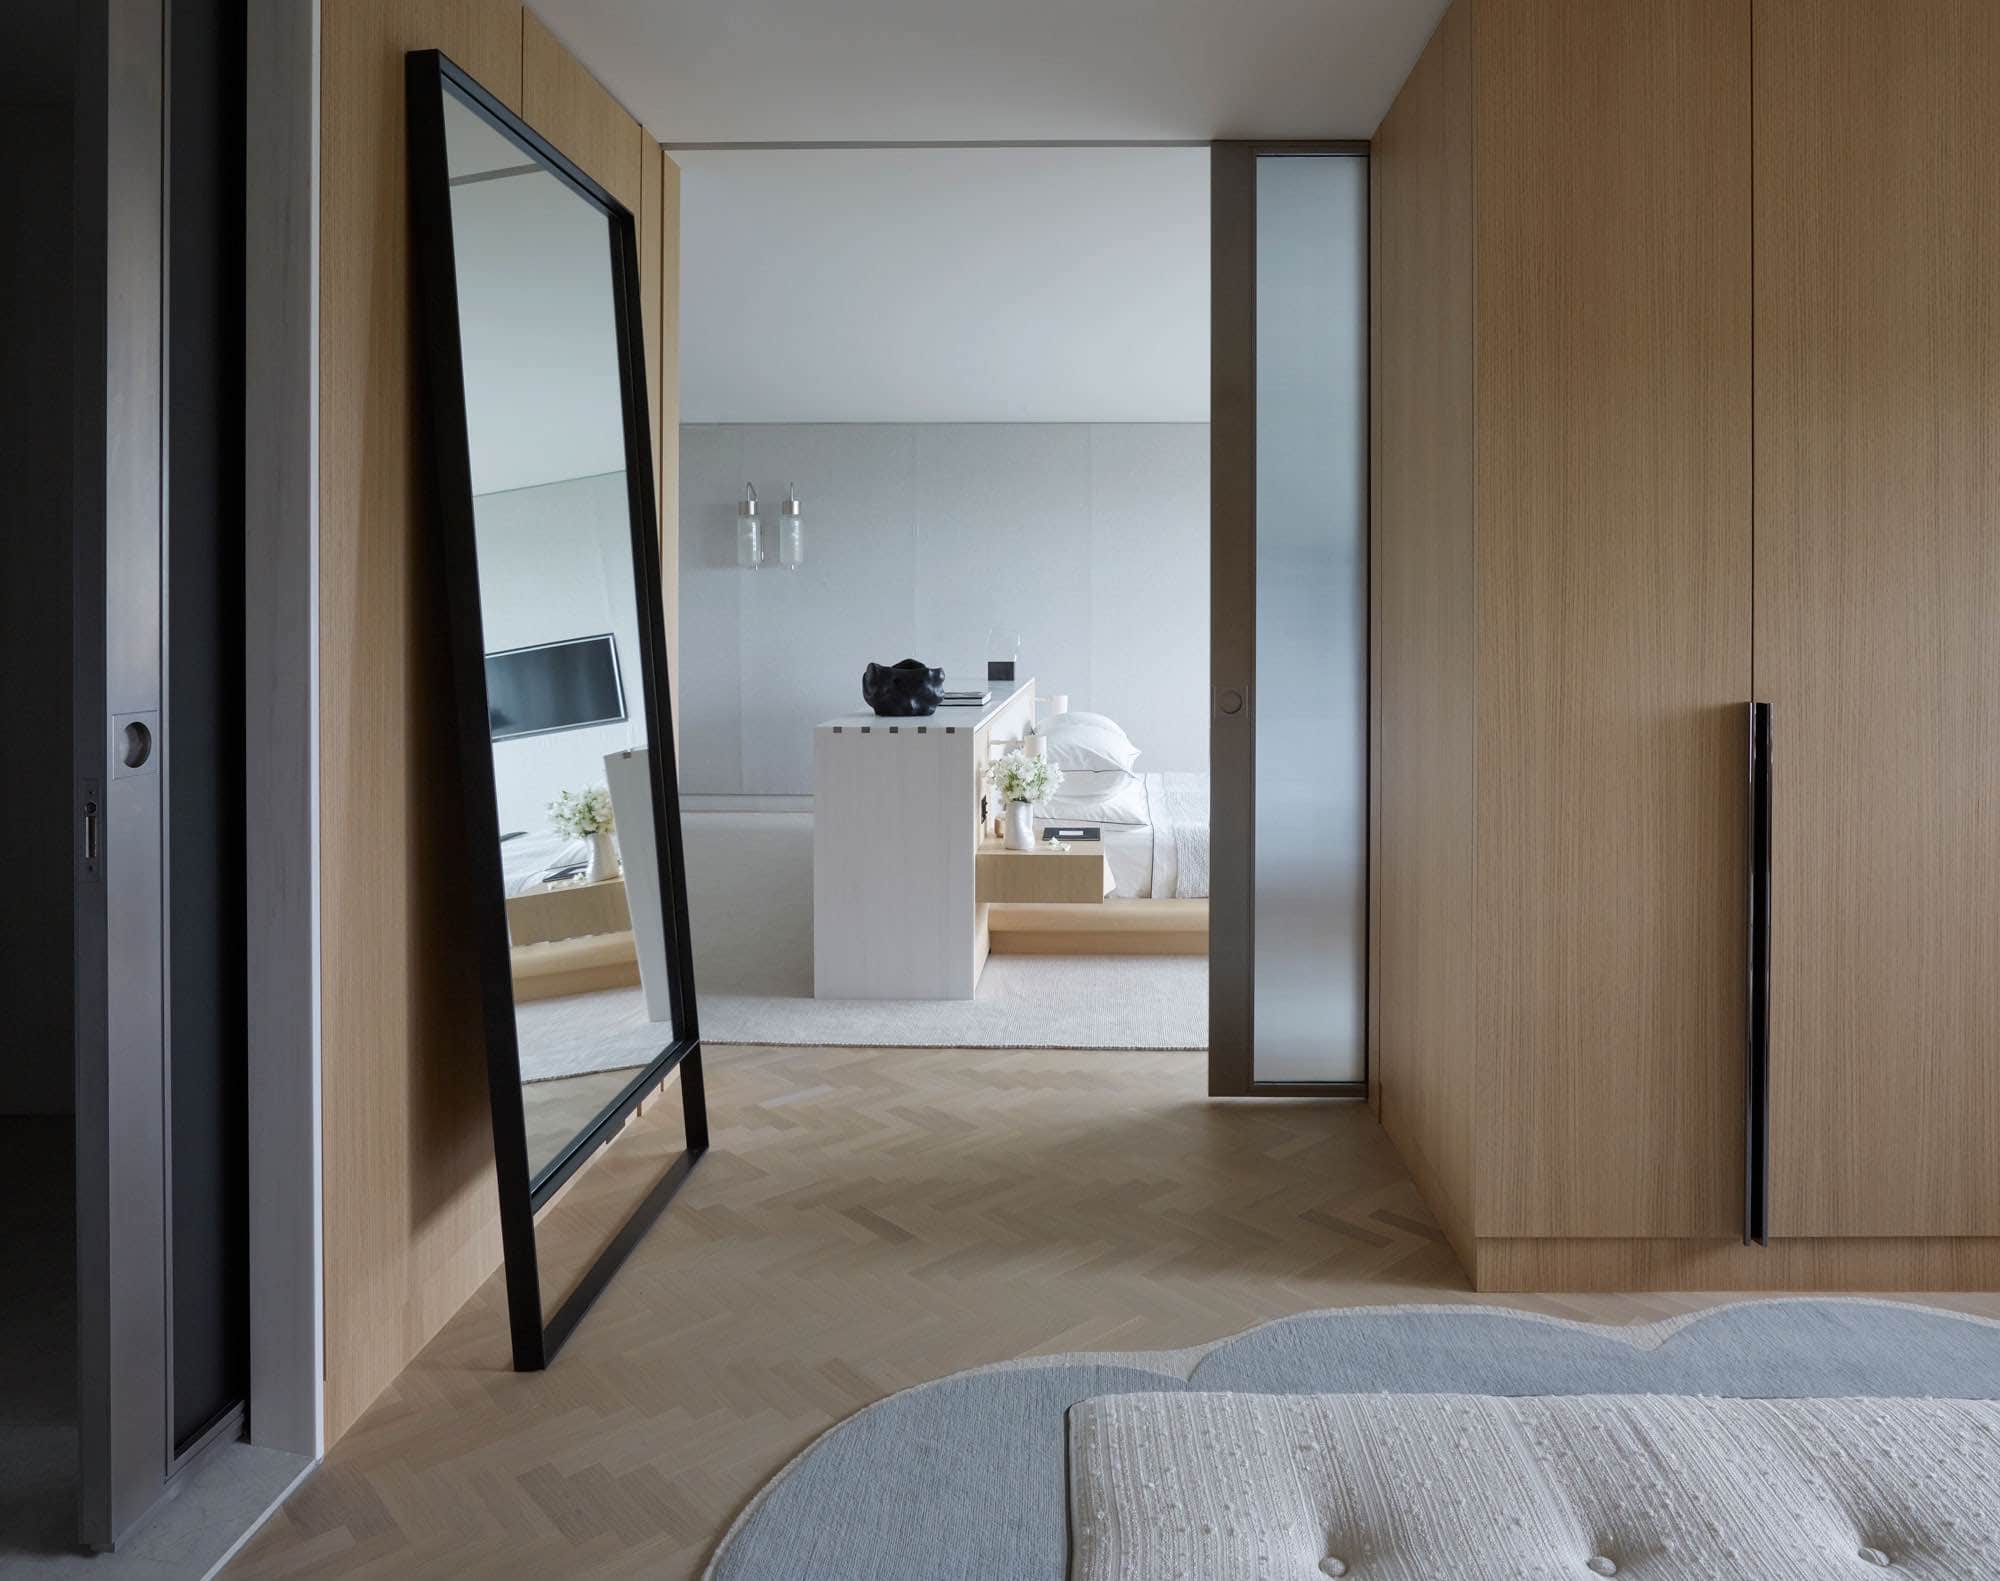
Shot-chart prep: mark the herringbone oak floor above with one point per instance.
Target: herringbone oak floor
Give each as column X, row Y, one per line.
column 866, row 1220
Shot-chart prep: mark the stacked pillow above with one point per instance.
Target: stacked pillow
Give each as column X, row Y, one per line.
column 1096, row 759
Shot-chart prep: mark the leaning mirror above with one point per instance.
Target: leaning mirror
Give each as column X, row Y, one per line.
column 549, row 550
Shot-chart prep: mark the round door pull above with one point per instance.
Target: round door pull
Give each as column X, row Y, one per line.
column 138, row 745
column 1229, row 700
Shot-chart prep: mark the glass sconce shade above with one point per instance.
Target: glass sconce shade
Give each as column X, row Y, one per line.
column 791, row 533
column 749, row 531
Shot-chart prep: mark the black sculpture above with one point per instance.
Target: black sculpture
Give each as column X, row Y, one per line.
column 903, row 691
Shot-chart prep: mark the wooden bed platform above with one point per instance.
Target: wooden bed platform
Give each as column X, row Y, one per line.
column 1111, row 927
column 557, row 968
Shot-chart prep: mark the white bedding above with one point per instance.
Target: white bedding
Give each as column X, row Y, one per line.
column 527, row 859
column 1400, row 1487
column 1165, row 858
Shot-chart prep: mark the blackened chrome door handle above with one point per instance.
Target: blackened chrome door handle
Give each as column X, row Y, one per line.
column 1757, row 1052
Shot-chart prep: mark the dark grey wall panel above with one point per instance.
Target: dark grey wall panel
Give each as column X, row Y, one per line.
column 208, row 1142
column 36, row 309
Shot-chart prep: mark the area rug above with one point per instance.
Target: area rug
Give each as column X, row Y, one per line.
column 1025, row 1001
column 963, row 1479
column 1407, row 1487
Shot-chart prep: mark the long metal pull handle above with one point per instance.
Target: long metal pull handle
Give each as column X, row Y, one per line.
column 1757, row 1065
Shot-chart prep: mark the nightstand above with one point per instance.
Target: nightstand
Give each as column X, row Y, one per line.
column 1076, row 877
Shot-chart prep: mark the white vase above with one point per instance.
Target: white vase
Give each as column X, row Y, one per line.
column 603, row 859
column 1020, row 826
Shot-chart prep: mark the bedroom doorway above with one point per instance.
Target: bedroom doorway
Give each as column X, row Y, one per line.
column 1006, row 478
column 1288, row 967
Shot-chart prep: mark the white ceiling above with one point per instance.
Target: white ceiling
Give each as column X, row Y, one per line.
column 809, row 71
column 944, row 285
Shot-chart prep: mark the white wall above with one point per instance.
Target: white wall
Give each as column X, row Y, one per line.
column 542, row 396
column 987, row 371
column 1091, row 538
column 944, row 285
column 556, row 562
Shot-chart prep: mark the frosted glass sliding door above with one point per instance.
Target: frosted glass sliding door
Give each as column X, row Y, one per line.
column 1292, row 691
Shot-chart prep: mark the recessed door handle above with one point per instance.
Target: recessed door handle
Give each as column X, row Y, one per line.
column 1231, row 700
column 1757, row 1050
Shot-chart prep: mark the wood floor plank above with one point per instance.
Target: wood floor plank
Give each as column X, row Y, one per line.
column 867, row 1220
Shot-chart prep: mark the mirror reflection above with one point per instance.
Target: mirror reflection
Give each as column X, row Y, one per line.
column 559, row 599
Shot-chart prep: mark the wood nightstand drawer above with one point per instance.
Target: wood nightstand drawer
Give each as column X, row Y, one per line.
column 1075, row 876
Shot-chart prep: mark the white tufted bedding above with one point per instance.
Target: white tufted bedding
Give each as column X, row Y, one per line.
column 1246, row 1487
column 1166, row 857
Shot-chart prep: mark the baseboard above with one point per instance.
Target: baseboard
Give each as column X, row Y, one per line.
column 1914, row 1263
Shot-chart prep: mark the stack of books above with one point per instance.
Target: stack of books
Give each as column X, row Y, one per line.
column 961, row 694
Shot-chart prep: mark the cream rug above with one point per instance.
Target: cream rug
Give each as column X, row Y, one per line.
column 1054, row 1002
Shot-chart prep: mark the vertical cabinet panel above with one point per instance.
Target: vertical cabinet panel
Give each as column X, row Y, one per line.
column 1422, row 622
column 1613, row 554
column 1878, row 608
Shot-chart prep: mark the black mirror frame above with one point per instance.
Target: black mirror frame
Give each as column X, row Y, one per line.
column 428, row 77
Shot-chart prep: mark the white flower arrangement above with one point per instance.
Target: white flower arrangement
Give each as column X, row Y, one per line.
column 1018, row 777
column 580, row 814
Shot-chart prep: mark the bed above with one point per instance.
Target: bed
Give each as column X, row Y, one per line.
column 1158, row 901
column 1166, row 857
column 538, row 857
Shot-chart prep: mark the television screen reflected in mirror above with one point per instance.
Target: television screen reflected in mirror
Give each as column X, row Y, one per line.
column 559, row 602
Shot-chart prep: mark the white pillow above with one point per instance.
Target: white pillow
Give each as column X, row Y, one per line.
column 1097, row 796
column 1088, row 741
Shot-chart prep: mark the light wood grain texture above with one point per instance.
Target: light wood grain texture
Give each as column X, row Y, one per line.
column 556, row 1110
column 410, row 1215
column 1878, row 604
column 867, row 1220
column 561, row 968
column 1612, row 468
column 1422, row 555
column 1887, row 1264
column 567, row 911
column 1115, row 927
column 568, row 106
column 1075, row 876
column 411, row 1224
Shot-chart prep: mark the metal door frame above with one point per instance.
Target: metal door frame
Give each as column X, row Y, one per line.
column 127, row 1461
column 124, row 1456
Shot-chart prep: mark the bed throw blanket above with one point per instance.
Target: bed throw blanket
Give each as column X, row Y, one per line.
column 1179, row 807
column 1241, row 1487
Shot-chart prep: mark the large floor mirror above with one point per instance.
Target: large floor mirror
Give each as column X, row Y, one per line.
column 548, row 530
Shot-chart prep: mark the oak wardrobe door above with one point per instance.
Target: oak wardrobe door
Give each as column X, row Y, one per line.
column 1613, row 547
column 1878, row 608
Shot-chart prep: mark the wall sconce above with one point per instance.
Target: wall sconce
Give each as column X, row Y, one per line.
column 791, row 532
column 749, row 533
